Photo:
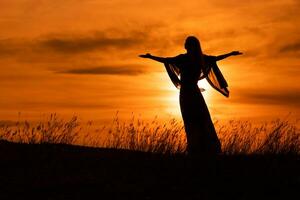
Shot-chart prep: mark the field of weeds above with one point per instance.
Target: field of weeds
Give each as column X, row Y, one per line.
column 43, row 160
column 237, row 137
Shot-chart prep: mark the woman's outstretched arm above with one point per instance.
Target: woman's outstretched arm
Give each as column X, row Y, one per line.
column 158, row 59
column 233, row 53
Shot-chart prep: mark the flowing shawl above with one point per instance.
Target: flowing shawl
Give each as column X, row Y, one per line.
column 210, row 71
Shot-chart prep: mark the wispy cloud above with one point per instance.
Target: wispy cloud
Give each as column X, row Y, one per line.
column 131, row 70
column 10, row 47
column 294, row 47
column 107, row 44
column 73, row 44
column 284, row 98
column 88, row 43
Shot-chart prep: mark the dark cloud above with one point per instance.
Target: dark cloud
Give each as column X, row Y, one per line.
column 281, row 97
column 131, row 70
column 9, row 47
column 295, row 47
column 85, row 44
column 72, row 44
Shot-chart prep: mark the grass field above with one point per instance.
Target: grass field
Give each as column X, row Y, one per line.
column 61, row 159
column 237, row 137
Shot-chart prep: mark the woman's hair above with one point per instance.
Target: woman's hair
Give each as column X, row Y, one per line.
column 193, row 47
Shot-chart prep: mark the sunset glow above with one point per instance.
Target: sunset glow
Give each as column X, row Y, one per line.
column 81, row 57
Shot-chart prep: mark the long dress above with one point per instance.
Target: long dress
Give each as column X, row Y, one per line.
column 200, row 131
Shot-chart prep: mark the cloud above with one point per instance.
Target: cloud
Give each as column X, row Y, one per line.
column 9, row 47
column 295, row 47
column 73, row 44
column 286, row 98
column 131, row 70
column 88, row 43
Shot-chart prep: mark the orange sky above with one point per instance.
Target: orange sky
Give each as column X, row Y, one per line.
column 80, row 57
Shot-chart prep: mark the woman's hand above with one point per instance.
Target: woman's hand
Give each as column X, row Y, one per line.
column 147, row 55
column 235, row 53
column 156, row 58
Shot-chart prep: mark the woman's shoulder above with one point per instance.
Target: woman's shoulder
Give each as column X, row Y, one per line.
column 181, row 56
column 176, row 59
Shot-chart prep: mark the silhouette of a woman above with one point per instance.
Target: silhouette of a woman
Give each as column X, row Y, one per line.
column 185, row 70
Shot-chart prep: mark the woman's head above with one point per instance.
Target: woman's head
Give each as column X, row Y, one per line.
column 192, row 45
column 193, row 48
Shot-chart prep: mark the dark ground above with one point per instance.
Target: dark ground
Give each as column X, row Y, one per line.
column 71, row 172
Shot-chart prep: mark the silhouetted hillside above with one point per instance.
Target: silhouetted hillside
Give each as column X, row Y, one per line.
column 56, row 171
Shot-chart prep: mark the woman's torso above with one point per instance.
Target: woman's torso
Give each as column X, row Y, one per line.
column 190, row 70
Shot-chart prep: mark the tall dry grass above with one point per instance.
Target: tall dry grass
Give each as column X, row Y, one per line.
column 237, row 137
column 52, row 130
column 274, row 137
